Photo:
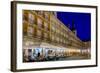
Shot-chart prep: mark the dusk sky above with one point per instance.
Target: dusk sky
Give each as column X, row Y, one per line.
column 82, row 23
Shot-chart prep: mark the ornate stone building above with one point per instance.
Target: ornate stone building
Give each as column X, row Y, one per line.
column 44, row 29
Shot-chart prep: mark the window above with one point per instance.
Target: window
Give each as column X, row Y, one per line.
column 57, row 39
column 67, row 35
column 53, row 27
column 46, row 25
column 30, row 31
column 31, row 19
column 39, row 33
column 52, row 38
column 46, row 16
column 25, row 26
column 39, row 22
column 45, row 35
column 40, row 13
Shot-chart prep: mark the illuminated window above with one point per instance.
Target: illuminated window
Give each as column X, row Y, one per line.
column 39, row 22
column 58, row 31
column 53, row 27
column 31, row 19
column 62, row 33
column 30, row 31
column 66, row 35
column 25, row 26
column 46, row 25
column 53, row 38
column 40, row 12
column 60, row 40
column 46, row 16
column 45, row 35
column 39, row 33
column 57, row 39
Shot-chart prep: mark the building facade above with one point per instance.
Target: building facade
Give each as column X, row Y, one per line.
column 46, row 27
column 43, row 28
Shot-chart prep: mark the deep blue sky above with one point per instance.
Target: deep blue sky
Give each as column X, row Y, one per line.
column 82, row 23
